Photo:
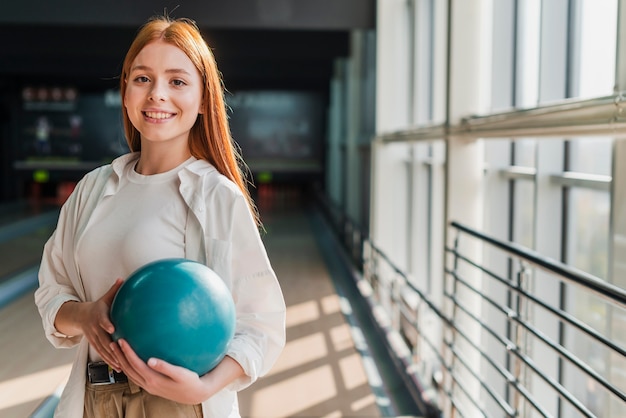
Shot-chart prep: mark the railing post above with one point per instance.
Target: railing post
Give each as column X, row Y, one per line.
column 396, row 285
column 375, row 277
column 451, row 331
column 520, row 333
column 356, row 247
column 367, row 261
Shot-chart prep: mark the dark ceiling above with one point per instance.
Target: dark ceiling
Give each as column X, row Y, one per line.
column 258, row 44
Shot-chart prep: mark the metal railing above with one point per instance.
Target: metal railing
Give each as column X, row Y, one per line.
column 528, row 316
column 571, row 117
column 498, row 344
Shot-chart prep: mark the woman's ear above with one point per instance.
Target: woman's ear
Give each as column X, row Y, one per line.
column 201, row 109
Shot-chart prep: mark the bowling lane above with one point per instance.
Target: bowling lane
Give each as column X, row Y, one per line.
column 320, row 373
column 30, row 368
column 24, row 229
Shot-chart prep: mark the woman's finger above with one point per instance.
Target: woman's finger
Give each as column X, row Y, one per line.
column 101, row 343
column 172, row 371
column 133, row 359
column 133, row 366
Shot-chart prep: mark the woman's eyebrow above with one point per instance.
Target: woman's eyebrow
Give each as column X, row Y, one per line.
column 171, row 70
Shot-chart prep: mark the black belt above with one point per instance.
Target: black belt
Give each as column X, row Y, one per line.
column 100, row 373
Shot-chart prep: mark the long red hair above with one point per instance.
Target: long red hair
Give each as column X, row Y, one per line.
column 210, row 138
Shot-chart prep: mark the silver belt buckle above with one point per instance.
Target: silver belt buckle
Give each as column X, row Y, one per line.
column 100, row 373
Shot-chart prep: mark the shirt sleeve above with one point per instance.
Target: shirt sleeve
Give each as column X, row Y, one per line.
column 55, row 286
column 260, row 306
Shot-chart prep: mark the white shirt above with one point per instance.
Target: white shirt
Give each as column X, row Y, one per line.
column 143, row 222
column 220, row 232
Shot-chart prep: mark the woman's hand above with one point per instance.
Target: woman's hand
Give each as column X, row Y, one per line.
column 161, row 378
column 172, row 382
column 91, row 319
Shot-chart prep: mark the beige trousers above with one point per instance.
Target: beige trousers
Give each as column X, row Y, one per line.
column 127, row 400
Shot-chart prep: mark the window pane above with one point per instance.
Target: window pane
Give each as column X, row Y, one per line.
column 598, row 26
column 593, row 311
column 588, row 232
column 524, row 213
column 528, row 32
column 525, row 152
column 591, row 155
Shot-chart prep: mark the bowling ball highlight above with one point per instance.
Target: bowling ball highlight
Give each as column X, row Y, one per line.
column 176, row 310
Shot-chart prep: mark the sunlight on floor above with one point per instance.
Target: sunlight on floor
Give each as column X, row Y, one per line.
column 330, row 304
column 320, row 372
column 301, row 397
column 31, row 387
column 302, row 313
column 362, row 403
column 341, row 338
column 301, row 351
column 352, row 371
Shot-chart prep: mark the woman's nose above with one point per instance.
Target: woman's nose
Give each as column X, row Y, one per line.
column 157, row 93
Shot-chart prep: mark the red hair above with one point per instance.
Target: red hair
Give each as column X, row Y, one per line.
column 210, row 138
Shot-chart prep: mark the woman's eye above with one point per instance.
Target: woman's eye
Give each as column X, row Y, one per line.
column 178, row 83
column 142, row 79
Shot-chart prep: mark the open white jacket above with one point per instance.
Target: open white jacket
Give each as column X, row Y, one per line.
column 221, row 233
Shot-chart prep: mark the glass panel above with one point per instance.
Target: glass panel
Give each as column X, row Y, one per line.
column 529, row 30
column 593, row 312
column 588, row 250
column 596, row 59
column 524, row 212
column 525, row 152
column 588, row 231
column 591, row 155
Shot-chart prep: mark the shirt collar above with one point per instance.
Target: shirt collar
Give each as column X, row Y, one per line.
column 117, row 166
column 189, row 175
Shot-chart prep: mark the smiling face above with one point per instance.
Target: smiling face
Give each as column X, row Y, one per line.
column 163, row 95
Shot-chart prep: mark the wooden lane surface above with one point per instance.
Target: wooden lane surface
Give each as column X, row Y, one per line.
column 30, row 368
column 320, row 373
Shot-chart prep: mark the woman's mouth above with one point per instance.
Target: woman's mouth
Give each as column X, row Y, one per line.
column 158, row 115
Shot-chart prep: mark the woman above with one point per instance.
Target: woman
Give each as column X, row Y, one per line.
column 179, row 193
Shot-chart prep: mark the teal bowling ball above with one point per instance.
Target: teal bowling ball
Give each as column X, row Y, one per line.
column 176, row 310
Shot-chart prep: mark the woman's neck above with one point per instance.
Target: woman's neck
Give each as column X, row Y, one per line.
column 155, row 160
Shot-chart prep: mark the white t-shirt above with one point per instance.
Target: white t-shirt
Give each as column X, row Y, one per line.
column 143, row 222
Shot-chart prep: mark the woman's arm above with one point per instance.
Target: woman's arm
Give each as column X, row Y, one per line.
column 91, row 319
